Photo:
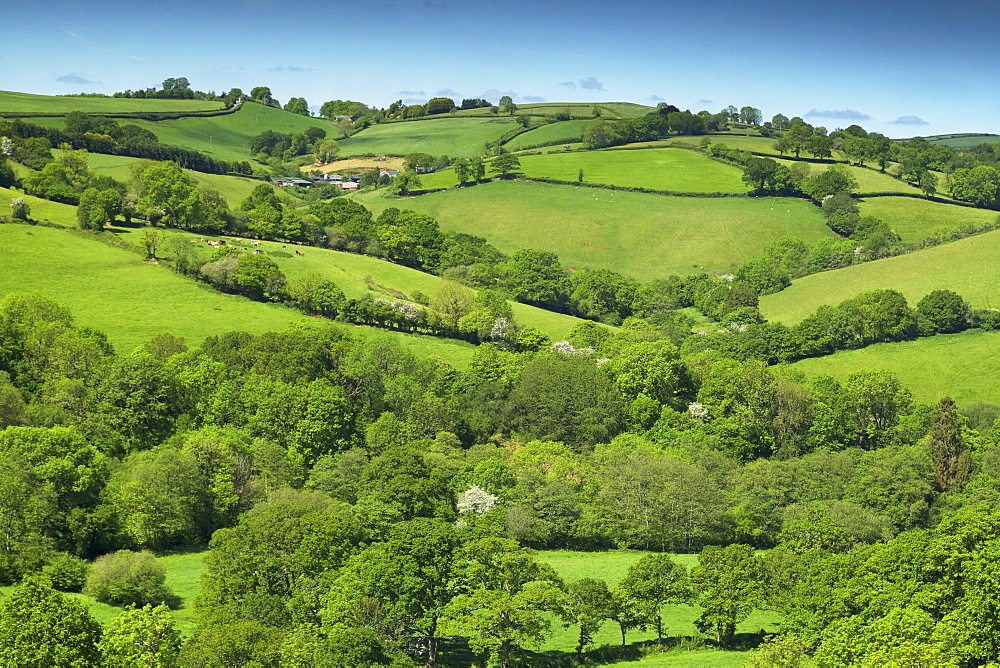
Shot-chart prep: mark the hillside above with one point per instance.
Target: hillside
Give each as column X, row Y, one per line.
column 640, row 235
column 27, row 103
column 114, row 291
column 967, row 266
column 914, row 219
column 445, row 135
column 962, row 366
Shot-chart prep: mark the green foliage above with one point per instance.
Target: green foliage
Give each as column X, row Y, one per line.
column 732, row 581
column 41, row 627
column 141, row 636
column 128, row 578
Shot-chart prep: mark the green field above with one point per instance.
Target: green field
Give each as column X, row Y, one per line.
column 869, row 180
column 577, row 110
column 962, row 366
column 963, row 140
column 222, row 137
column 225, row 137
column 353, row 273
column 640, row 235
column 914, row 219
column 51, row 104
column 678, row 620
column 116, row 292
column 671, row 169
column 42, row 210
column 441, row 136
column 968, row 266
column 558, row 131
column 233, row 188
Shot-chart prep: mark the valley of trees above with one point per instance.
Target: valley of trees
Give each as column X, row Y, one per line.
column 359, row 505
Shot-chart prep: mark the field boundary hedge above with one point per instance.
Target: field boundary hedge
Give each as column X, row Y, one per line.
column 137, row 115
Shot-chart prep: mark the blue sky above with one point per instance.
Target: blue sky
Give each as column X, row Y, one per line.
column 902, row 69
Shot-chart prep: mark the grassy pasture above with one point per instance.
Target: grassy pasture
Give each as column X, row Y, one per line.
column 678, row 620
column 968, row 266
column 868, row 180
column 116, row 292
column 49, row 104
column 581, row 110
column 42, row 210
column 441, row 136
column 914, row 219
column 658, row 169
column 233, row 188
column 964, row 140
column 640, row 235
column 222, row 137
column 962, row 366
column 550, row 132
column 225, row 137
column 354, row 273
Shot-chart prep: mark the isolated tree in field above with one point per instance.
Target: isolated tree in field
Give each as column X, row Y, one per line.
column 298, row 105
column 654, row 581
column 504, row 164
column 19, row 209
column 128, row 578
column 507, row 105
column 41, row 627
column 750, row 116
column 261, row 94
column 952, row 463
column 405, row 183
column 588, row 605
column 463, row 172
column 327, row 150
column 150, row 240
column 732, row 582
column 928, row 182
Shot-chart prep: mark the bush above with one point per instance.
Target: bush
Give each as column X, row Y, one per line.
column 66, row 571
column 125, row 577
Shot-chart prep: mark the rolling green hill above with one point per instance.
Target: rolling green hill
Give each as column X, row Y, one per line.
column 914, row 219
column 640, row 235
column 116, row 292
column 963, row 140
column 963, row 366
column 26, row 103
column 42, row 210
column 584, row 110
column 968, row 266
column 439, row 136
column 233, row 188
column 222, row 137
column 559, row 131
column 671, row 169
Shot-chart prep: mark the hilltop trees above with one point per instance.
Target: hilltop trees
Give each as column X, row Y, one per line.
column 298, row 105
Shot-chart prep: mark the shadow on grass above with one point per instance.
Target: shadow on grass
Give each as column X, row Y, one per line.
column 458, row 653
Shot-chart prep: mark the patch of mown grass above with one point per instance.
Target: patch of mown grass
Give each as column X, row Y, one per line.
column 641, row 235
column 451, row 136
column 962, row 366
column 967, row 266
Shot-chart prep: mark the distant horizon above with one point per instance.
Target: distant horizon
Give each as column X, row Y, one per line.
column 918, row 70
